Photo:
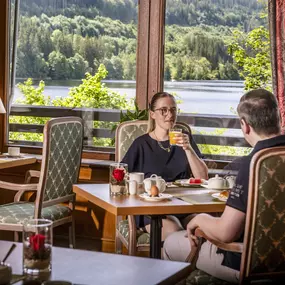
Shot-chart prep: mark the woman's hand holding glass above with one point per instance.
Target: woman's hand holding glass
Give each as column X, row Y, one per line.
column 182, row 140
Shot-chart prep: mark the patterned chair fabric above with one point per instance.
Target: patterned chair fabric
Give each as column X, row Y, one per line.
column 143, row 239
column 18, row 213
column 199, row 277
column 64, row 155
column 61, row 160
column 268, row 252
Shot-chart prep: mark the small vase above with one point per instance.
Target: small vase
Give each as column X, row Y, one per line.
column 37, row 247
column 118, row 179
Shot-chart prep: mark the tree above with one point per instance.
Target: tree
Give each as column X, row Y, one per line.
column 251, row 53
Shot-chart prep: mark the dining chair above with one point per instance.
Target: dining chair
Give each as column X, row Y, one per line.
column 61, row 158
column 263, row 247
column 133, row 239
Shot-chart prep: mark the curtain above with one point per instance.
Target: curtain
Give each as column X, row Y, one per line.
column 276, row 10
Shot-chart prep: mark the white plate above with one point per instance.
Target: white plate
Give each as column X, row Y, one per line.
column 162, row 196
column 207, row 186
column 217, row 196
column 185, row 182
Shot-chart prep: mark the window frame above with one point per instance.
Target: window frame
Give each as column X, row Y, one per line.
column 150, row 46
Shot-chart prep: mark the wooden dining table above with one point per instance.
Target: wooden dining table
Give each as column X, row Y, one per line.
column 99, row 195
column 7, row 161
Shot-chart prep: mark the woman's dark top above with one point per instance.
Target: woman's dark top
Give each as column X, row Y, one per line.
column 145, row 155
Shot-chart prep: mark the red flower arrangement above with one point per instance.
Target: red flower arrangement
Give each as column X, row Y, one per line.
column 37, row 249
column 119, row 174
column 117, row 179
column 37, row 242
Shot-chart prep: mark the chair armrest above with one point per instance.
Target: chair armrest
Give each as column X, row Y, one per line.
column 194, row 254
column 31, row 174
column 233, row 246
column 18, row 187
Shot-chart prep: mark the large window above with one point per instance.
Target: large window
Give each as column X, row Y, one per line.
column 72, row 57
column 204, row 68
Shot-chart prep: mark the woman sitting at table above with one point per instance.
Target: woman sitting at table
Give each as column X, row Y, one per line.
column 152, row 153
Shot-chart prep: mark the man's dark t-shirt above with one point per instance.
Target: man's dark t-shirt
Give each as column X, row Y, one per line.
column 239, row 194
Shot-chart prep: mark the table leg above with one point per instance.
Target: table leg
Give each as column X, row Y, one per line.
column 155, row 236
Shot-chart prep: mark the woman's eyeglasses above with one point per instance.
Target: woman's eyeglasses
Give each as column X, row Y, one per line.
column 164, row 111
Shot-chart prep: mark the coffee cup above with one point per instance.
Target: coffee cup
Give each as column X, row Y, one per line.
column 218, row 182
column 13, row 151
column 137, row 176
column 231, row 181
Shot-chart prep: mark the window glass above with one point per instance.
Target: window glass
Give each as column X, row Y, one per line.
column 210, row 46
column 73, row 57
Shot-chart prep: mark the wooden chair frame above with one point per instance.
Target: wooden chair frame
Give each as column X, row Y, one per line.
column 38, row 188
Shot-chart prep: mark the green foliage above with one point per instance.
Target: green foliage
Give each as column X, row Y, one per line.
column 32, row 95
column 251, row 52
column 66, row 41
column 91, row 93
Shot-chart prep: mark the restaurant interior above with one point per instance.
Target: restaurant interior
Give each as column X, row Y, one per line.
column 95, row 236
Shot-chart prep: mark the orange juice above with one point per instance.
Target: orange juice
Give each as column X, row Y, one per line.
column 172, row 137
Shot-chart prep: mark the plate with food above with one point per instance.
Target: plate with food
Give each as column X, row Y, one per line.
column 159, row 197
column 222, row 196
column 192, row 182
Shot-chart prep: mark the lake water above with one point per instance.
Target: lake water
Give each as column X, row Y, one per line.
column 204, row 97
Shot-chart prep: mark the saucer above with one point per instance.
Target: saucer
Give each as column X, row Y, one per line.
column 161, row 197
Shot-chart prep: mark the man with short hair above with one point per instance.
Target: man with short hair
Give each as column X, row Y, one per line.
column 260, row 124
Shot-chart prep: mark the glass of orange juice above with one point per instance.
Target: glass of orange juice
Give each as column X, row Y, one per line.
column 172, row 137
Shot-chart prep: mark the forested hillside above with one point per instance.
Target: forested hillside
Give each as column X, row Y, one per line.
column 65, row 39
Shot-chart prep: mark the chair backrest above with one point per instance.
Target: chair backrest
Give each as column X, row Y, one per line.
column 264, row 240
column 128, row 131
column 61, row 160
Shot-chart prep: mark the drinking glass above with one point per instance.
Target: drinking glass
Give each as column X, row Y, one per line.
column 118, row 179
column 172, row 132
column 37, row 247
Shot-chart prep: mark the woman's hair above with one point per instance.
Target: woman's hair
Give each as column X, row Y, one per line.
column 259, row 108
column 152, row 106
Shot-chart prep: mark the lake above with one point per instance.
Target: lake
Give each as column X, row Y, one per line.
column 218, row 97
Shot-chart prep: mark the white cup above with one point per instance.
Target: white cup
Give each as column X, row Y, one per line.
column 137, row 176
column 231, row 181
column 133, row 185
column 14, row 151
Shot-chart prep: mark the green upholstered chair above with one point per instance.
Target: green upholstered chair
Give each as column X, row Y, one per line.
column 60, row 166
column 263, row 249
column 127, row 233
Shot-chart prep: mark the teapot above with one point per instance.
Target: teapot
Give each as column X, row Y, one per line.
column 218, row 182
column 154, row 180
